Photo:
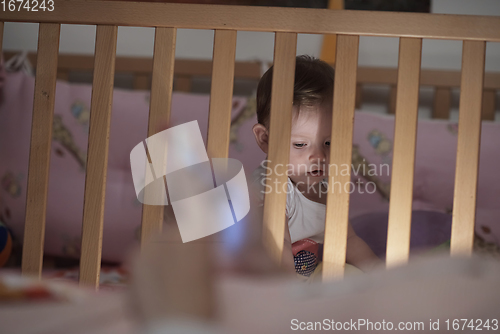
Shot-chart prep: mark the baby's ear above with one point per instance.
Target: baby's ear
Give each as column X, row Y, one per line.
column 261, row 136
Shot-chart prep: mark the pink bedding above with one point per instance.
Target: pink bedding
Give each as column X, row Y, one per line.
column 67, row 172
column 373, row 142
column 434, row 168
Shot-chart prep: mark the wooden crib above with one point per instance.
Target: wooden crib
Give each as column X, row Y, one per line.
column 411, row 28
column 189, row 73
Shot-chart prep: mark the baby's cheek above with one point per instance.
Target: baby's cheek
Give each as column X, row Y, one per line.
column 296, row 157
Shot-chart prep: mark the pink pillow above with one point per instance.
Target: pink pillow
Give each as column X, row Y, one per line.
column 434, row 168
column 129, row 119
column 429, row 229
column 372, row 155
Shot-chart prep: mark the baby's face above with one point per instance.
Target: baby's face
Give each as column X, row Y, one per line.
column 310, row 144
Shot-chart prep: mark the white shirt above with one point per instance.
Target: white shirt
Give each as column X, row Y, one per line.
column 306, row 218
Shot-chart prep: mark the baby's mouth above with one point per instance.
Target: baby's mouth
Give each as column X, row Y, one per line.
column 316, row 173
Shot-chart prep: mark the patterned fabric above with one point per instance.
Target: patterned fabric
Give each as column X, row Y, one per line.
column 129, row 124
column 305, row 263
column 307, row 255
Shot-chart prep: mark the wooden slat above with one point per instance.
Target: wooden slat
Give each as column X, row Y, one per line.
column 403, row 161
column 442, row 103
column 329, row 48
column 492, row 80
column 41, row 140
column 391, row 108
column 359, row 95
column 159, row 114
column 488, row 109
column 141, row 81
column 1, row 37
column 469, row 135
column 196, row 67
column 62, row 75
column 219, row 121
column 141, row 65
column 251, row 70
column 285, row 49
column 190, row 67
column 97, row 154
column 183, row 84
column 337, row 209
column 434, row 78
column 377, row 75
column 190, row 291
column 257, row 18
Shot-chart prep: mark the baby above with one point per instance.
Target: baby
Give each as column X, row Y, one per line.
column 308, row 166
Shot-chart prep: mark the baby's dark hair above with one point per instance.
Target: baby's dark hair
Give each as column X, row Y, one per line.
column 313, row 85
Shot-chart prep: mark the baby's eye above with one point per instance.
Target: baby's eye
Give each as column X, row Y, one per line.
column 327, row 143
column 299, row 145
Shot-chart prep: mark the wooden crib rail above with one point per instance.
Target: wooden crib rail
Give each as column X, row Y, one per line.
column 337, row 209
column 285, row 48
column 159, row 114
column 255, row 18
column 188, row 70
column 141, row 68
column 403, row 162
column 221, row 97
column 1, row 36
column 41, row 140
column 97, row 154
column 226, row 20
column 443, row 81
column 469, row 135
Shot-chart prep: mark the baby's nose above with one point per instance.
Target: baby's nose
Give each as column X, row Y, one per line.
column 318, row 155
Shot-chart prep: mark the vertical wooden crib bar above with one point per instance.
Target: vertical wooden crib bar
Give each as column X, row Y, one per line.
column 273, row 232
column 41, row 140
column 183, row 83
column 403, row 161
column 442, row 103
column 1, row 37
column 488, row 108
column 337, row 208
column 141, row 81
column 219, row 120
column 469, row 135
column 159, row 114
column 97, row 154
column 392, row 100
